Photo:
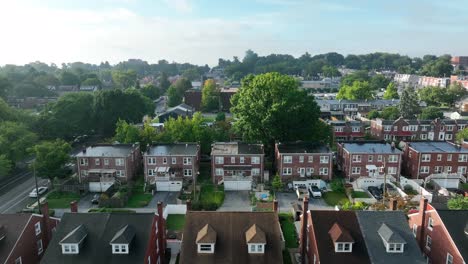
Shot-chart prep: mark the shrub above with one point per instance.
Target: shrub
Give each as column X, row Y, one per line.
column 337, row 185
column 408, row 188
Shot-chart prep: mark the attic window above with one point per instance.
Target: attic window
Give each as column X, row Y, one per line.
column 72, row 241
column 120, row 249
column 206, row 239
column 122, row 239
column 256, row 240
column 343, row 247
column 393, row 242
column 341, row 238
column 70, row 249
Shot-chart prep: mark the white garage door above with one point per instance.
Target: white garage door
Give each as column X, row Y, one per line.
column 169, row 186
column 99, row 186
column 237, row 185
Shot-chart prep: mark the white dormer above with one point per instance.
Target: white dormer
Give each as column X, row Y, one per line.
column 119, row 248
column 206, row 240
column 343, row 247
column 70, row 248
column 256, row 240
column 393, row 242
column 72, row 242
column 342, row 239
column 122, row 239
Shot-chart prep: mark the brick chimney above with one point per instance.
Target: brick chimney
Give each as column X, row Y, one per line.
column 304, row 235
column 161, row 229
column 422, row 214
column 189, row 205
column 393, row 204
column 45, row 221
column 275, row 206
column 74, row 207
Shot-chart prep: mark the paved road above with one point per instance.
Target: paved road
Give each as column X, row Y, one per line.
column 14, row 192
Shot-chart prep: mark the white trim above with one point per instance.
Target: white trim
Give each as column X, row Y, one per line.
column 199, row 245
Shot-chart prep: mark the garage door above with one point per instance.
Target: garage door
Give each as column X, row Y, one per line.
column 99, row 186
column 237, row 185
column 169, row 186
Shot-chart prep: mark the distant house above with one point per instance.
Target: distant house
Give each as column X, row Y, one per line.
column 193, row 99
column 237, row 164
column 168, row 166
column 441, row 234
column 405, row 129
column 225, row 95
column 298, row 160
column 25, row 237
column 182, row 110
column 422, row 159
column 109, row 238
column 368, row 159
column 348, row 130
column 357, row 237
column 231, row 237
column 102, row 165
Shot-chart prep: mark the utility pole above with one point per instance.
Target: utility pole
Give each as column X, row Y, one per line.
column 37, row 187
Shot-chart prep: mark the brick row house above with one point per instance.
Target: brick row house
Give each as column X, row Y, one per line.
column 348, row 130
column 102, row 165
column 236, row 164
column 300, row 160
column 441, row 234
column 356, row 237
column 422, row 159
column 169, row 166
column 109, row 238
column 368, row 159
column 403, row 129
column 25, row 237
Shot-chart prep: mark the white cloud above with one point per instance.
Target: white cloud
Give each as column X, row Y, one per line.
column 181, row 6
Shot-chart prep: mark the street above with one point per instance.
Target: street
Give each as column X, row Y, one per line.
column 14, row 192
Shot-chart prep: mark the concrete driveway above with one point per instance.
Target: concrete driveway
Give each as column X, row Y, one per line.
column 236, row 201
column 164, row 197
column 287, row 199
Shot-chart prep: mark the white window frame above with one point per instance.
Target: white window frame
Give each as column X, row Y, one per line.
column 310, row 159
column 448, row 136
column 241, row 160
column 355, row 129
column 392, row 158
column 356, row 158
column 323, row 171
column 449, row 157
column 119, row 162
column 439, row 157
column 287, row 171
column 120, row 173
column 205, row 248
column 356, row 170
column 83, row 162
column 449, row 259
column 255, row 160
column 324, row 159
column 423, row 136
column 40, row 247
column 428, row 242
column 392, row 170
column 343, row 247
column 430, row 223
column 70, row 249
column 379, row 158
column 462, row 157
column 219, row 160
column 120, row 249
column 370, row 158
column 106, row 162
column 187, row 161
column 164, row 160
column 395, row 247
column 151, row 172
column 424, row 169
column 448, row 169
column 173, row 160
column 287, row 159
column 301, row 159
column 97, row 161
column 19, row 260
column 461, row 170
column 151, row 161
column 426, row 158
column 37, row 228
column 188, row 172
column 256, row 248
column 415, row 230
column 219, row 172
column 233, row 159
column 255, row 171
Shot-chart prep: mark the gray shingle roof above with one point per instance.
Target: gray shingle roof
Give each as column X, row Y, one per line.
column 302, row 147
column 371, row 223
column 366, row 147
column 124, row 235
column 456, row 223
column 172, row 149
column 389, row 235
column 101, row 229
column 75, row 236
column 107, row 150
column 436, row 146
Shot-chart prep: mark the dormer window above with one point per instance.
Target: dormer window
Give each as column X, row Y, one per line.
column 392, row 241
column 72, row 242
column 122, row 239
column 119, row 249
column 256, row 240
column 206, row 240
column 343, row 247
column 256, row 248
column 341, row 238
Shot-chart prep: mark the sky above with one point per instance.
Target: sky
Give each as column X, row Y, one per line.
column 201, row 31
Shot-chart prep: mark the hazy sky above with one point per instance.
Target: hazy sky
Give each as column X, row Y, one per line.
column 201, row 31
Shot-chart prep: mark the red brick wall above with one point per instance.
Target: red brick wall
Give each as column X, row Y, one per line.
column 227, row 161
column 179, row 164
column 157, row 241
column 441, row 240
column 296, row 164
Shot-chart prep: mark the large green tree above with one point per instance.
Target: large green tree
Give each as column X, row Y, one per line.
column 124, row 79
column 126, row 133
column 391, row 92
column 5, row 166
column 210, row 96
column 430, row 113
column 409, row 104
column 378, row 81
column 150, row 91
column 164, row 82
column 433, row 95
column 69, row 78
column 357, row 91
column 271, row 107
column 51, row 158
column 458, row 203
column 5, row 86
column 176, row 91
column 15, row 139
column 455, row 92
column 390, row 113
column 462, row 135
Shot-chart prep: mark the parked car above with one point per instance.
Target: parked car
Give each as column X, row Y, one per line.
column 390, row 188
column 315, row 192
column 95, row 199
column 375, row 191
column 40, row 190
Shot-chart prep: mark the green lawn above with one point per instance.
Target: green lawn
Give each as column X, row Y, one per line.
column 211, row 196
column 334, row 198
column 464, row 186
column 286, row 257
column 205, row 173
column 289, row 232
column 175, row 222
column 139, row 198
column 357, row 194
column 110, row 210
column 61, row 199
